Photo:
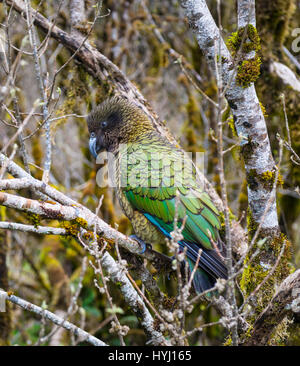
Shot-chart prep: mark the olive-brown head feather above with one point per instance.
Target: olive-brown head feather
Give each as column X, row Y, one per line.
column 117, row 120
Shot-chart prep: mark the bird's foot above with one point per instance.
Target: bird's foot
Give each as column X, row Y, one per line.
column 143, row 245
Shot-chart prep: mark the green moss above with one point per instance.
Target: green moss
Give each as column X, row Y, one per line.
column 248, row 71
column 276, row 246
column 251, row 223
column 34, row 219
column 73, row 227
column 263, row 109
column 255, row 271
column 226, row 114
column 246, row 41
column 223, row 59
column 232, row 217
column 269, row 177
column 228, row 341
column 266, row 178
column 280, row 180
column 253, row 274
column 251, row 40
column 248, row 333
column 89, row 236
column 81, row 222
column 231, row 124
column 281, row 333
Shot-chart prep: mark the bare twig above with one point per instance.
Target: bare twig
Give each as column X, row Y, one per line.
column 55, row 319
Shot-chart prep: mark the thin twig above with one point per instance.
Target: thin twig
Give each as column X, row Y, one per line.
column 54, row 318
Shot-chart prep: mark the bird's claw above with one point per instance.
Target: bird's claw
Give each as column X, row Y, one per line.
column 141, row 242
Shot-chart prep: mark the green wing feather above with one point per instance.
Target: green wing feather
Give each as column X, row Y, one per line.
column 159, row 199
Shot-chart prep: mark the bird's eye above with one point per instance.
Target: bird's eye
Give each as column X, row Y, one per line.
column 92, row 135
column 104, row 124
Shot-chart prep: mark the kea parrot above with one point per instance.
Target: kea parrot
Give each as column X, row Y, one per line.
column 156, row 184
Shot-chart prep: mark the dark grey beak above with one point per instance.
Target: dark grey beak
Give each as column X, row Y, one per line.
column 92, row 146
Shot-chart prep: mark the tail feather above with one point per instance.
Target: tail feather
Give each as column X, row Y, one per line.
column 202, row 281
column 210, row 267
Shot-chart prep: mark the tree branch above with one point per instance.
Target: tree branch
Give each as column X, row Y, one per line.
column 248, row 116
column 134, row 300
column 43, row 230
column 279, row 307
column 67, row 209
column 53, row 318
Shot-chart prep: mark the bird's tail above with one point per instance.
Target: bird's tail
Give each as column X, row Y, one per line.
column 202, row 281
column 210, row 267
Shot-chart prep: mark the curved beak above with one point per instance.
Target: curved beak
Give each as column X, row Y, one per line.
column 93, row 147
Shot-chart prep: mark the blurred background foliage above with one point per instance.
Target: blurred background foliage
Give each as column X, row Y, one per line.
column 46, row 269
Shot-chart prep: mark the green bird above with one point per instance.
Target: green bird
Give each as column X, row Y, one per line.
column 157, row 185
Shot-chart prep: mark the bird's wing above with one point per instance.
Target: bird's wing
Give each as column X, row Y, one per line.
column 161, row 188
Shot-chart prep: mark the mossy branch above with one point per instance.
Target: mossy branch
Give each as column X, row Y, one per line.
column 240, row 93
column 281, row 305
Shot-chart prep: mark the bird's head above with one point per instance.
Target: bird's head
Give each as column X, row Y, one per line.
column 116, row 121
